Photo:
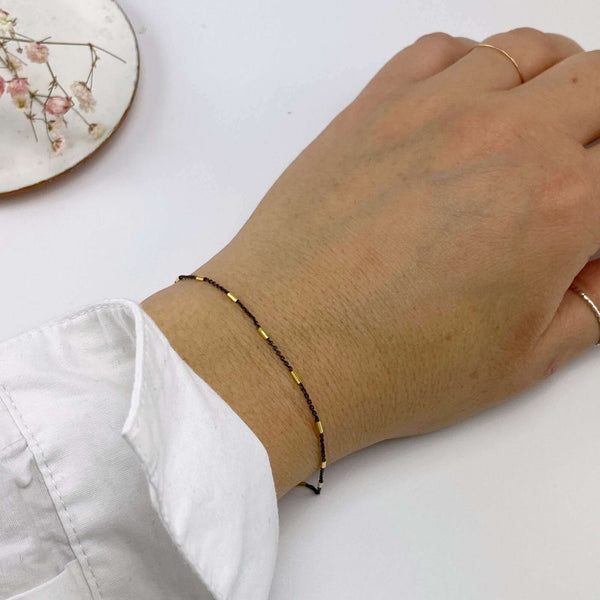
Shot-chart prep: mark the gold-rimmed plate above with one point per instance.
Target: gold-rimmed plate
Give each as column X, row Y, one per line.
column 24, row 160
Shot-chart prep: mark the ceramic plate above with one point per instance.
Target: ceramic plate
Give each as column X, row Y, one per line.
column 25, row 162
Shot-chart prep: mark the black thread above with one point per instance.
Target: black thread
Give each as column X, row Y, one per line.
column 289, row 368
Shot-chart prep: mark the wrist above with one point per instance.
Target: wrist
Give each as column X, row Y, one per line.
column 222, row 346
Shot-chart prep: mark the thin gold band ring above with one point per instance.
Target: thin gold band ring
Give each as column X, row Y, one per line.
column 512, row 60
column 589, row 301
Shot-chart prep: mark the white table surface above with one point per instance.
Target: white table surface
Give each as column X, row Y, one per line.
column 502, row 506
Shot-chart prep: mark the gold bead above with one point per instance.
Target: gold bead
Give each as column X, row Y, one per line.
column 319, row 426
column 320, row 485
column 323, row 464
column 231, row 297
column 263, row 333
column 199, row 278
column 296, row 378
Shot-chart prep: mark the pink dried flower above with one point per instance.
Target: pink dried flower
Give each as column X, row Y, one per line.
column 57, row 105
column 18, row 88
column 58, row 145
column 37, row 53
column 84, row 96
column 7, row 23
column 1, row 86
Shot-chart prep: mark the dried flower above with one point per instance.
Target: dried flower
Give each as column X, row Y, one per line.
column 84, row 96
column 37, row 53
column 7, row 23
column 96, row 130
column 18, row 52
column 22, row 102
column 58, row 145
column 18, row 88
column 57, row 105
column 14, row 63
column 55, row 125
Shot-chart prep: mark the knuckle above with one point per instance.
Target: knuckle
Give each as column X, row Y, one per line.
column 438, row 40
column 593, row 56
column 565, row 43
column 527, row 34
column 527, row 31
column 523, row 37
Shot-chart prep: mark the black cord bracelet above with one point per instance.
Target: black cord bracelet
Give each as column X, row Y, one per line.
column 295, row 377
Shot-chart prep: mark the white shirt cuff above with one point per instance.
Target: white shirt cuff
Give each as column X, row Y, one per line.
column 161, row 490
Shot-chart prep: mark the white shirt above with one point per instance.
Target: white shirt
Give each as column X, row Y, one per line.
column 123, row 475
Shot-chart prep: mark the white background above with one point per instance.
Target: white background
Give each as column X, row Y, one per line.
column 502, row 506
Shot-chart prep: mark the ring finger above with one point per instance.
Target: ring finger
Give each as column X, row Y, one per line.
column 486, row 69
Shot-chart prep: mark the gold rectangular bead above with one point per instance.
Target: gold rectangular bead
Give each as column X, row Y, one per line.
column 199, row 278
column 231, row 297
column 263, row 333
column 319, row 426
column 323, row 464
column 296, row 378
column 319, row 485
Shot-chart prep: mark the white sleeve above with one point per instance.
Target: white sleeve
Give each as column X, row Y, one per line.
column 123, row 475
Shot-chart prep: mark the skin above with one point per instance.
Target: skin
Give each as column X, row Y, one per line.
column 413, row 263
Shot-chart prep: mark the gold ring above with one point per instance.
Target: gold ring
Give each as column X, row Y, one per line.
column 589, row 301
column 512, row 60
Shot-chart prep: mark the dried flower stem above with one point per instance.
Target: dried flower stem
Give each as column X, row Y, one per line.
column 22, row 38
column 51, row 103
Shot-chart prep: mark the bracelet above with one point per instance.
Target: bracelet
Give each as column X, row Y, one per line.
column 295, row 377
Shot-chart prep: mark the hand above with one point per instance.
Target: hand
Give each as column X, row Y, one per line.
column 413, row 263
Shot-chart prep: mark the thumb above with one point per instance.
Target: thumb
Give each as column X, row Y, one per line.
column 575, row 327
